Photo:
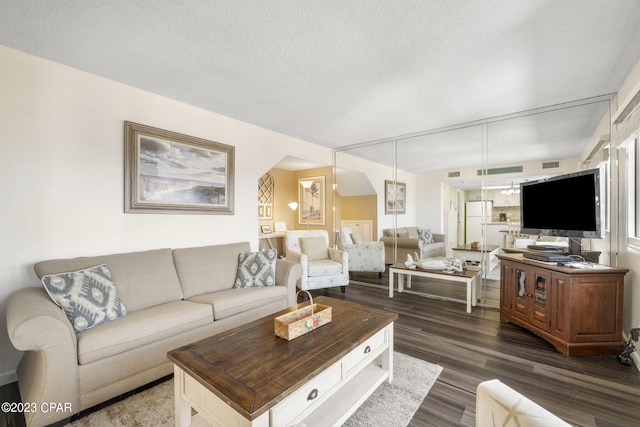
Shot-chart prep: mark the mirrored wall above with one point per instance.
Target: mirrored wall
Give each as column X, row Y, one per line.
column 461, row 183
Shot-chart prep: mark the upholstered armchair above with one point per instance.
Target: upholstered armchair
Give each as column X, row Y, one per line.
column 499, row 405
column 363, row 256
column 322, row 266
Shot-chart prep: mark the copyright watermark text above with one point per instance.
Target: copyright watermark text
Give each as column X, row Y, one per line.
column 26, row 407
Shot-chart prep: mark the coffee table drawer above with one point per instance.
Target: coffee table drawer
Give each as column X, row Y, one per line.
column 312, row 393
column 364, row 352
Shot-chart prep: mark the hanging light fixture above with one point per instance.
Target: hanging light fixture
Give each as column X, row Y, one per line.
column 511, row 190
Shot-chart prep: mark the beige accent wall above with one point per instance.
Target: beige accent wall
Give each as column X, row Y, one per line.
column 360, row 208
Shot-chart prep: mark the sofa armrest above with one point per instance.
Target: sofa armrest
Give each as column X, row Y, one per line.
column 48, row 371
column 287, row 274
column 497, row 403
column 438, row 237
column 341, row 257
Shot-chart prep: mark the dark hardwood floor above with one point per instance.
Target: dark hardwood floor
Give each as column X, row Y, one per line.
column 584, row 391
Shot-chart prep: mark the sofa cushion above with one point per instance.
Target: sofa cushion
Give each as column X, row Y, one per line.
column 208, row 268
column 144, row 279
column 413, row 232
column 256, row 269
column 346, row 237
column 88, row 297
column 314, row 247
column 233, row 301
column 141, row 327
column 356, row 238
column 323, row 267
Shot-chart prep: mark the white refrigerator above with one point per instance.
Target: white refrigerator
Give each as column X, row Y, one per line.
column 475, row 219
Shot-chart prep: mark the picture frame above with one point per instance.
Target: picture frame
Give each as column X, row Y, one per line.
column 265, row 229
column 169, row 172
column 312, row 201
column 395, row 197
column 280, row 226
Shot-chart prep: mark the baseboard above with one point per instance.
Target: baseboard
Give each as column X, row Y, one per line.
column 8, row 378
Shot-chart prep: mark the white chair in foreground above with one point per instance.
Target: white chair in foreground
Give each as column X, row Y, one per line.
column 499, row 405
column 322, row 266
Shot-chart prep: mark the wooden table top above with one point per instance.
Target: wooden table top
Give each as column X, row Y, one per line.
column 596, row 269
column 252, row 369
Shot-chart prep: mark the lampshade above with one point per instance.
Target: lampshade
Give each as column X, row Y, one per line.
column 306, row 183
column 293, row 205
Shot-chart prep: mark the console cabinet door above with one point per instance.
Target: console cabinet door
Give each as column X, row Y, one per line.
column 522, row 296
column 507, row 286
column 540, row 286
column 596, row 308
column 560, row 305
column 526, row 294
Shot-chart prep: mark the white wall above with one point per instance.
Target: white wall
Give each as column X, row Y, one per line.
column 628, row 256
column 377, row 173
column 61, row 134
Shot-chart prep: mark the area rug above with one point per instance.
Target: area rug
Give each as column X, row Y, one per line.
column 390, row 405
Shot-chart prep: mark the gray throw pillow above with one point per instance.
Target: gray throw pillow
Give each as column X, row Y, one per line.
column 88, row 297
column 425, row 236
column 256, row 269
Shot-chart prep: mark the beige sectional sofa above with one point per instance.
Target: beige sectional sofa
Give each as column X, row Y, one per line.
column 172, row 298
column 407, row 241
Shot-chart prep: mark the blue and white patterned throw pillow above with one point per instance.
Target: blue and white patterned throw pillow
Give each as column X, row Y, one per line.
column 256, row 269
column 88, row 297
column 425, row 236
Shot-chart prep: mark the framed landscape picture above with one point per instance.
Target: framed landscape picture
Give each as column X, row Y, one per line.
column 312, row 201
column 168, row 172
column 395, row 197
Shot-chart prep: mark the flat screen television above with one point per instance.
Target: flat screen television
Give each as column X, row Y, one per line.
column 565, row 205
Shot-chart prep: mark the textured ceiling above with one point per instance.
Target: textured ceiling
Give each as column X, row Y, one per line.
column 337, row 72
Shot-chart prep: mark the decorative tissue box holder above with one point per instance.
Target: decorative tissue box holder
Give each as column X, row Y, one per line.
column 302, row 320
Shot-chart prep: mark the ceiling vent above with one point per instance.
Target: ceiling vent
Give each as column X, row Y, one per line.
column 550, row 165
column 454, row 174
column 499, row 171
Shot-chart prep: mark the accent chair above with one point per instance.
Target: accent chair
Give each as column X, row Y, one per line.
column 322, row 266
column 363, row 256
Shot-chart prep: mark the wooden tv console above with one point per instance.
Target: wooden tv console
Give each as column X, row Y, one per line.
column 579, row 311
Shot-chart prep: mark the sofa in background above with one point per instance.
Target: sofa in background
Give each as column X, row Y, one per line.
column 411, row 241
column 498, row 405
column 171, row 298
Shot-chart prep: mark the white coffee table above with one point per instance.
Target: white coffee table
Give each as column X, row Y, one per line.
column 467, row 277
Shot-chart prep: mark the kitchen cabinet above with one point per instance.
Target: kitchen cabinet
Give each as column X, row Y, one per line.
column 501, row 199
